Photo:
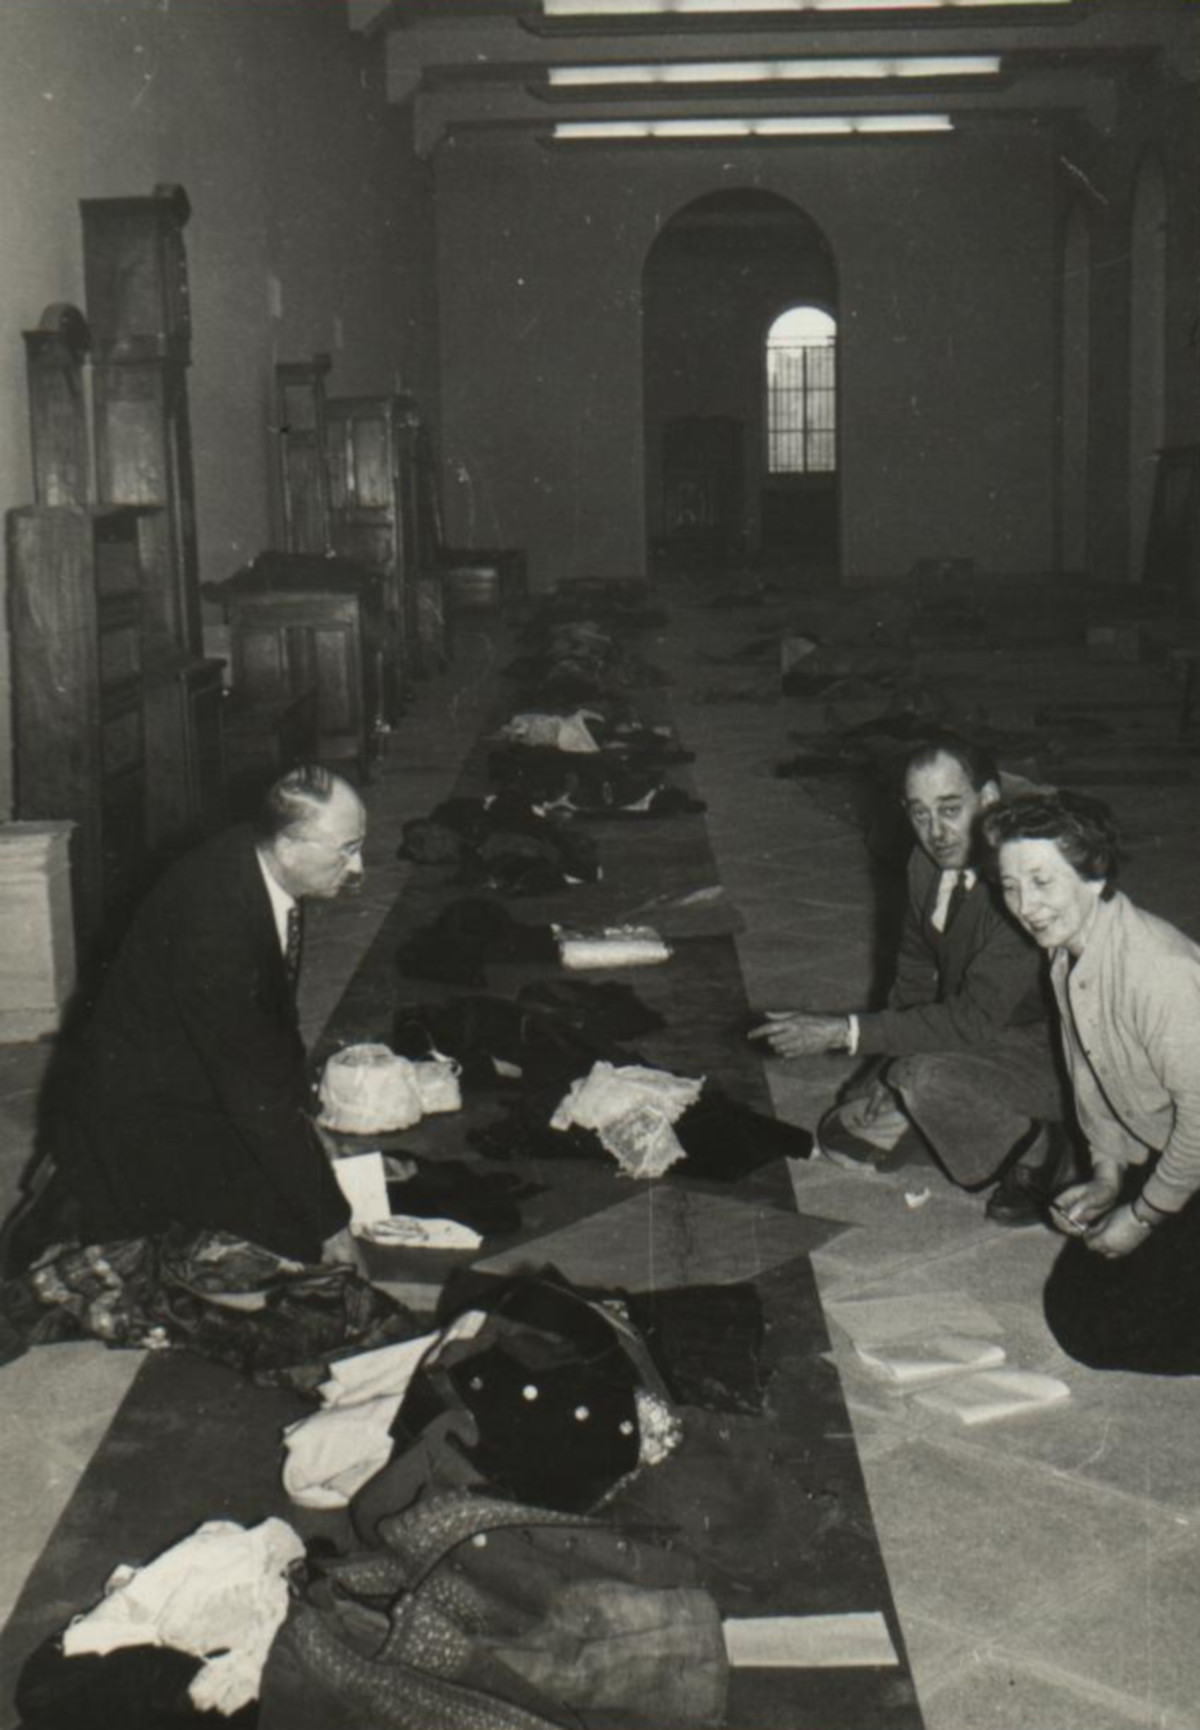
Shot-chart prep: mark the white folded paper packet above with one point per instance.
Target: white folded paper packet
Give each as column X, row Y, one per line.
column 911, row 1363
column 859, row 1640
column 614, row 946
column 994, row 1394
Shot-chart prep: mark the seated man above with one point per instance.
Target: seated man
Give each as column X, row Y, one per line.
column 188, row 1100
column 963, row 1053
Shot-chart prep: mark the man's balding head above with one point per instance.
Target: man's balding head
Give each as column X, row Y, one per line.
column 311, row 829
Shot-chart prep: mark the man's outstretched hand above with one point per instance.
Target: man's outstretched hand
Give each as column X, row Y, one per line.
column 794, row 1033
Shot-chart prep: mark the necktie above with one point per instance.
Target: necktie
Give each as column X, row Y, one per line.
column 957, row 896
column 291, row 952
column 952, row 892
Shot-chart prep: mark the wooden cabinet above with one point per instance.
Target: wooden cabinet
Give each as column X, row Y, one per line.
column 58, row 435
column 185, row 752
column 299, row 624
column 144, row 456
column 75, row 594
column 303, row 474
column 135, row 270
column 372, row 514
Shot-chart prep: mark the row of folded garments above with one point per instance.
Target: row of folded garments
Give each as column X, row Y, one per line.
column 494, row 1578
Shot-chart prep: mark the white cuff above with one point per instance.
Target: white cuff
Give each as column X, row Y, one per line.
column 852, row 1035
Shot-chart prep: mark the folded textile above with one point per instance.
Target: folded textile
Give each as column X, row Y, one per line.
column 135, row 1688
column 220, row 1595
column 565, row 1399
column 488, row 1202
column 504, row 842
column 570, row 733
column 614, row 946
column 723, row 1139
column 277, row 1320
column 367, row 1089
column 333, row 1453
column 607, row 1092
column 506, row 1616
column 605, row 1009
column 468, row 934
column 632, row 1110
column 494, row 1036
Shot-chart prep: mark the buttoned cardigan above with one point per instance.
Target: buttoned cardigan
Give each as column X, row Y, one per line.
column 1130, row 1009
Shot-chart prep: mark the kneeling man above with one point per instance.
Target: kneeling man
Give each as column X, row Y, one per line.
column 189, row 1101
column 963, row 1059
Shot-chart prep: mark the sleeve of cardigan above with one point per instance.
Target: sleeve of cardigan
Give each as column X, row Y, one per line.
column 997, row 978
column 1173, row 1048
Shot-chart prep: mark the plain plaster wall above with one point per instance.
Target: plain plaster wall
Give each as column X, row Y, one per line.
column 946, row 268
column 273, row 117
column 1099, row 182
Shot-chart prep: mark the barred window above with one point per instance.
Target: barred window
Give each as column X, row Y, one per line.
column 801, row 392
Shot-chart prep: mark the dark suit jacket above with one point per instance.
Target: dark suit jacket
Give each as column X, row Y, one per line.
column 190, row 1103
column 976, row 987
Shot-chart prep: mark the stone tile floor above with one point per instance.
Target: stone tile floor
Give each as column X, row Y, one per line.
column 1047, row 1570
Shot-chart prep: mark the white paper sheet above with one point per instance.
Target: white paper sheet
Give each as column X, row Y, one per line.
column 910, row 1363
column 874, row 1321
column 855, row 1641
column 362, row 1181
column 994, row 1394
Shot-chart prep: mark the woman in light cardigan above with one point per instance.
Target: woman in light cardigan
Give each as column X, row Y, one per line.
column 1125, row 1293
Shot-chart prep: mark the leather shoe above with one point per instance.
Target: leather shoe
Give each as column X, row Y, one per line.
column 1029, row 1185
column 1013, row 1203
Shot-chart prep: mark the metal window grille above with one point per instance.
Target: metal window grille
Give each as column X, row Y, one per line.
column 801, row 407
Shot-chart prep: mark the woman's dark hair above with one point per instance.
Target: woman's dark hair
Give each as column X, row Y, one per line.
column 1082, row 828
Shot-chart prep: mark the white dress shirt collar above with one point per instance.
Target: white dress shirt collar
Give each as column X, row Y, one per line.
column 281, row 902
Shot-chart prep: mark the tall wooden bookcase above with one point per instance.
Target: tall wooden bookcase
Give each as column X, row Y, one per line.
column 75, row 597
column 139, row 313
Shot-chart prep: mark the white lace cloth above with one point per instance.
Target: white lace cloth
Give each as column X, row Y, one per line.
column 632, row 1110
column 368, row 1090
column 221, row 1595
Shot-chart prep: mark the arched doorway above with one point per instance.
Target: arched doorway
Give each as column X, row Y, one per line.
column 718, row 488
column 1147, row 350
column 1075, row 388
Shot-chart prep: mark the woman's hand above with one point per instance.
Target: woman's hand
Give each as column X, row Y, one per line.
column 1117, row 1234
column 794, row 1033
column 1079, row 1208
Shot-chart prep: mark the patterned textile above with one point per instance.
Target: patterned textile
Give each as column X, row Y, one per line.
column 279, row 1321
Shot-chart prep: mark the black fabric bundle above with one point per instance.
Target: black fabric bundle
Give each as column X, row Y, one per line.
column 133, row 1688
column 501, row 843
column 602, row 785
column 468, row 934
column 723, row 1139
column 544, row 1049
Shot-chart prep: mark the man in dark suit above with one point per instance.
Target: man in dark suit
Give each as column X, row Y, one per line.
column 190, row 1101
column 962, row 1057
